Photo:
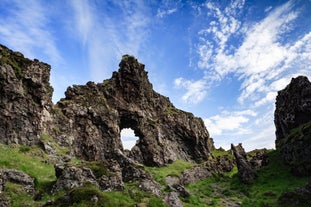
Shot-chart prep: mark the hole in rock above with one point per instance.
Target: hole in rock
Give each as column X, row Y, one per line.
column 128, row 138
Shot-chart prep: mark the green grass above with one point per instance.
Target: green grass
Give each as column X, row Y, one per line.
column 29, row 160
column 221, row 152
column 60, row 150
column 174, row 169
column 273, row 180
column 131, row 196
column 219, row 190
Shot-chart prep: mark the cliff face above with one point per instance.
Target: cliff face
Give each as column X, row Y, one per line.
column 90, row 118
column 292, row 120
column 293, row 107
column 25, row 98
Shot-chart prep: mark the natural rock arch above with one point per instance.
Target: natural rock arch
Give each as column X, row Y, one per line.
column 127, row 100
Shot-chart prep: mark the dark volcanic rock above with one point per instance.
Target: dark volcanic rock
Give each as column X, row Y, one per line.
column 194, row 174
column 89, row 120
column 292, row 120
column 25, row 100
column 245, row 171
column 93, row 116
column 17, row 177
column 292, row 107
column 298, row 197
column 69, row 177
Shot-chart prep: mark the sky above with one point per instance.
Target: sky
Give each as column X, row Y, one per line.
column 224, row 61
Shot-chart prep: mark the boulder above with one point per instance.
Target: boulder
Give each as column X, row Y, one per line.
column 18, row 177
column 69, row 177
column 173, row 200
column 194, row 174
column 297, row 197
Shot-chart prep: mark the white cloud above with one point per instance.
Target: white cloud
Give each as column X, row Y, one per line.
column 105, row 37
column 163, row 13
column 24, row 29
column 229, row 122
column 168, row 7
column 195, row 90
column 128, row 138
column 83, row 18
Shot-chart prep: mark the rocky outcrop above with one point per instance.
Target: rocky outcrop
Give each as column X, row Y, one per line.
column 90, row 118
column 94, row 114
column 245, row 171
column 292, row 120
column 18, row 177
column 25, row 100
column 297, row 197
column 292, row 107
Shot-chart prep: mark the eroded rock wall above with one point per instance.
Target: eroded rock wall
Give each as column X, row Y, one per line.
column 95, row 114
column 25, row 98
column 90, row 118
column 292, row 120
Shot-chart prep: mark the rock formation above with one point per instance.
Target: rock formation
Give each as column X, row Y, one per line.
column 93, row 116
column 25, row 98
column 292, row 120
column 90, row 118
column 18, row 177
column 246, row 173
column 292, row 107
column 297, row 197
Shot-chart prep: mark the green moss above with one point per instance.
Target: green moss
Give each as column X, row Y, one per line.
column 99, row 169
column 132, row 196
column 222, row 152
column 60, row 150
column 12, row 60
column 18, row 196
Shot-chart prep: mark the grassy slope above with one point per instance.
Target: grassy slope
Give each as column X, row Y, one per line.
column 32, row 160
column 219, row 190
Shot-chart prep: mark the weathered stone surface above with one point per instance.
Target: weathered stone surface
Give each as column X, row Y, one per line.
column 298, row 197
column 25, row 101
column 149, row 185
column 292, row 120
column 258, row 158
column 194, row 174
column 4, row 202
column 173, row 200
column 69, row 177
column 93, row 115
column 245, row 171
column 292, row 107
column 18, row 177
column 90, row 118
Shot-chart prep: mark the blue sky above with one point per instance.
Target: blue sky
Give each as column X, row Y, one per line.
column 224, row 61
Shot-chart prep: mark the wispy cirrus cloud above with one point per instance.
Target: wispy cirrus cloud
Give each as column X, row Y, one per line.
column 261, row 58
column 24, row 28
column 107, row 37
column 256, row 55
column 229, row 121
column 167, row 8
column 195, row 90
